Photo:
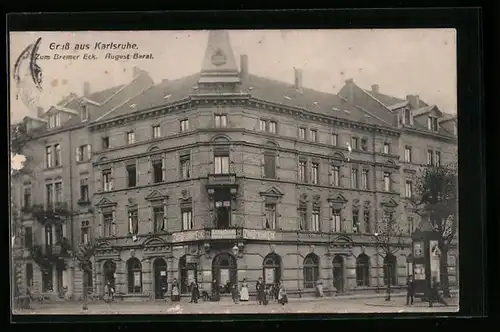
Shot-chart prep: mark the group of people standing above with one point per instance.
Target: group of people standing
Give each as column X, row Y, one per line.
column 433, row 293
column 264, row 292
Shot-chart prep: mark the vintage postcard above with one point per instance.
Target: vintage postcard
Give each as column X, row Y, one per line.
column 245, row 171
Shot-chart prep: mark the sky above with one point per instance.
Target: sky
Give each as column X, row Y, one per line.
column 400, row 61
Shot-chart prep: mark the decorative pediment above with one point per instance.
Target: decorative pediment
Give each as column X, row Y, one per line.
column 343, row 239
column 390, row 203
column 303, row 198
column 272, row 192
column 105, row 202
column 154, row 241
column 355, row 202
column 185, row 195
column 156, row 195
column 337, row 199
column 338, row 156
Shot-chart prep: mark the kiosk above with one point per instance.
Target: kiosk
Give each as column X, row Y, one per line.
column 425, row 261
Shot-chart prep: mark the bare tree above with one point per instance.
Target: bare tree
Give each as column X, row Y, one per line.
column 389, row 238
column 82, row 256
column 436, row 202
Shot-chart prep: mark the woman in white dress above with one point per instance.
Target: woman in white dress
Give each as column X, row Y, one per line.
column 244, row 290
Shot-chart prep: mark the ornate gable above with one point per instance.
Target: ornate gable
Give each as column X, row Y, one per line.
column 272, row 192
column 105, row 202
column 337, row 199
column 389, row 203
column 156, row 195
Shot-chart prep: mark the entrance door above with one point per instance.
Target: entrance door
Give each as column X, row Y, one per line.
column 225, row 271
column 109, row 270
column 338, row 273
column 160, row 273
column 223, row 213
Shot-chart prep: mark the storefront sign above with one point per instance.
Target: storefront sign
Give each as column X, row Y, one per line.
column 254, row 234
column 223, row 234
column 269, row 276
column 187, row 236
column 163, row 273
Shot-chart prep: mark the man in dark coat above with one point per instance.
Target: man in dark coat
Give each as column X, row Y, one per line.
column 215, row 291
column 410, row 290
column 195, row 292
column 261, row 292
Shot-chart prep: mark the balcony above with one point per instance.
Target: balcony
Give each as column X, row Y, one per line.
column 52, row 213
column 222, row 181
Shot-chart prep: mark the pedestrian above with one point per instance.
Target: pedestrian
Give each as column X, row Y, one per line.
column 215, row 291
column 235, row 294
column 319, row 288
column 228, row 288
column 282, row 297
column 244, row 296
column 195, row 292
column 435, row 295
column 267, row 294
column 260, row 290
column 164, row 290
column 276, row 290
column 175, row 296
column 410, row 290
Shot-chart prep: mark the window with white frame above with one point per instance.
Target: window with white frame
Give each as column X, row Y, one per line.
column 315, row 221
column 156, row 131
column 438, row 159
column 335, row 175
column 58, row 198
column 130, row 137
column 313, row 135
column 387, row 181
column 49, row 195
column 187, row 215
column 354, row 143
column 387, row 148
column 157, row 165
column 84, row 190
column 430, row 157
column 85, row 113
column 185, row 166
column 315, row 173
column 432, row 123
column 107, row 217
column 220, row 121
column 133, row 220
column 131, row 175
column 336, row 219
column 273, row 126
column 270, row 216
column 408, row 188
column 355, row 220
column 107, row 181
column 48, row 156
column 221, row 163
column 302, row 133
column 354, row 179
column 184, row 124
column 302, row 170
column 158, row 218
column 302, row 214
column 85, row 232
column 334, row 139
column 262, row 125
column 408, row 154
column 364, row 179
column 57, row 155
column 406, row 117
column 83, row 153
column 54, row 120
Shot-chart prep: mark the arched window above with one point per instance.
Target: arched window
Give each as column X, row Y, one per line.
column 363, row 270
column 311, row 270
column 134, row 269
column 188, row 272
column 109, row 269
column 272, row 269
column 390, row 269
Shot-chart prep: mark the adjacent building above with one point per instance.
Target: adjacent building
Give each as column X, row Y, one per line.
column 224, row 175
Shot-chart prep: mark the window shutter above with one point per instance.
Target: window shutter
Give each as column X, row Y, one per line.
column 77, row 150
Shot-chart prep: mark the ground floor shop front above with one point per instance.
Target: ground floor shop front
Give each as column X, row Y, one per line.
column 141, row 272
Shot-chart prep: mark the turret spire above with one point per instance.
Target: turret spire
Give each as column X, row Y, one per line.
column 219, row 64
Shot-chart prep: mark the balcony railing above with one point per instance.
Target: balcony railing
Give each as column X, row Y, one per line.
column 57, row 212
column 216, row 180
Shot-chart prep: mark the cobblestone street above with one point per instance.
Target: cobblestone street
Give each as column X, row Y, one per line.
column 327, row 305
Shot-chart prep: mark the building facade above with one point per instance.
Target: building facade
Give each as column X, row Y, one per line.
column 224, row 175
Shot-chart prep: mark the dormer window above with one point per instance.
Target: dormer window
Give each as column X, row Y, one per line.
column 84, row 113
column 432, row 123
column 406, row 117
column 54, row 120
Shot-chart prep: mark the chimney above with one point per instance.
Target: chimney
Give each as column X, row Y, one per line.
column 350, row 90
column 413, row 100
column 39, row 111
column 243, row 66
column 86, row 89
column 375, row 88
column 298, row 79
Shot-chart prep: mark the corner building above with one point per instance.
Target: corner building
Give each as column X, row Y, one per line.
column 224, row 175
